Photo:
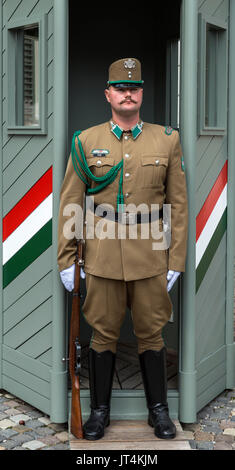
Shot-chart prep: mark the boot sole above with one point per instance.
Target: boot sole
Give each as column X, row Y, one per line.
column 160, row 436
column 90, row 437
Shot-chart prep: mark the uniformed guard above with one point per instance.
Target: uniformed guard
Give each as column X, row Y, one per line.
column 123, row 164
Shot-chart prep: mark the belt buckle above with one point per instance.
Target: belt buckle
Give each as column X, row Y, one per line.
column 128, row 218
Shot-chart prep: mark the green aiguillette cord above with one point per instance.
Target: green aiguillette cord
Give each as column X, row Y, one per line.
column 103, row 180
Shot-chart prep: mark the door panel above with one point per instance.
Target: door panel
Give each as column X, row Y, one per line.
column 27, row 198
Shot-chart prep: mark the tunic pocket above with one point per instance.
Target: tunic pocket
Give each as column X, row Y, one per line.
column 154, row 169
column 100, row 166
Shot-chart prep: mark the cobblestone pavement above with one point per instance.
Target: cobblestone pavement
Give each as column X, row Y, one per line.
column 23, row 427
column 215, row 427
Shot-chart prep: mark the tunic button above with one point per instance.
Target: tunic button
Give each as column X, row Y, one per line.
column 98, row 162
column 126, row 137
column 127, row 155
column 157, row 162
column 127, row 194
column 127, row 174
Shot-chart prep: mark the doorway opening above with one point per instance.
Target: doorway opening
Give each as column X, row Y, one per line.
column 95, row 41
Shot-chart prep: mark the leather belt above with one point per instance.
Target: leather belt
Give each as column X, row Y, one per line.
column 128, row 218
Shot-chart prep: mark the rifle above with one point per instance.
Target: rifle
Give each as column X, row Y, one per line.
column 75, row 347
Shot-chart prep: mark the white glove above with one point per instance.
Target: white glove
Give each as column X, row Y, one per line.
column 67, row 277
column 171, row 277
column 82, row 273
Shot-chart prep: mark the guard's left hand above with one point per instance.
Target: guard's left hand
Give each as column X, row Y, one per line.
column 171, row 277
column 82, row 273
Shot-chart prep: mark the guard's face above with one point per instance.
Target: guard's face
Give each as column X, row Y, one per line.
column 125, row 101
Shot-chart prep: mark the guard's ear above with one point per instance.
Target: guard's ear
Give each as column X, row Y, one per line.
column 106, row 92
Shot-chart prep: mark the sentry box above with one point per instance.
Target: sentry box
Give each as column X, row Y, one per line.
column 54, row 60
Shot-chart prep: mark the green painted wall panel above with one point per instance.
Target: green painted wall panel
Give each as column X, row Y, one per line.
column 38, row 344
column 217, row 146
column 208, row 332
column 222, row 10
column 28, row 379
column 50, row 76
column 211, row 377
column 26, row 363
column 29, row 326
column 202, row 144
column 210, row 324
column 9, row 8
column 212, row 328
column 14, row 9
column 50, row 49
column 41, row 149
column 28, row 299
column 46, row 357
column 214, row 389
column 26, row 394
column 50, row 21
column 34, row 297
column 216, row 8
column 212, row 153
column 27, row 280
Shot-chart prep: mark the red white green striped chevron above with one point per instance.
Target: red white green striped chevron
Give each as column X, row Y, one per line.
column 27, row 228
column 211, row 224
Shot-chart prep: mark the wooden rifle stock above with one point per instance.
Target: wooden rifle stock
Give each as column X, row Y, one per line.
column 75, row 348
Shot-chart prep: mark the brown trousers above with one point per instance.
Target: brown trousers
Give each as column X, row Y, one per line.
column 105, row 307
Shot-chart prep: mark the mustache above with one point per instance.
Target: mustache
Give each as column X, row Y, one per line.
column 128, row 100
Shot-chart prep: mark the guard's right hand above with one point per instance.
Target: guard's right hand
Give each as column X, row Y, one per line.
column 67, row 277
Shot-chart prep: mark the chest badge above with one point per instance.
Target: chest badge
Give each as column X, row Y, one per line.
column 100, row 152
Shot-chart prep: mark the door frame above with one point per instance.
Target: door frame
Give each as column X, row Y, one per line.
column 188, row 132
column 229, row 332
column 1, row 205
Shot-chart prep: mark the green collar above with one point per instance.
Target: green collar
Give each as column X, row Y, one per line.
column 118, row 131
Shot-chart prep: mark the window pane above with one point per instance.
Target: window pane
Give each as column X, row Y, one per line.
column 215, row 77
column 31, row 76
column 211, row 85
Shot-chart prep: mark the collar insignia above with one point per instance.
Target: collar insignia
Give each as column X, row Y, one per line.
column 118, row 131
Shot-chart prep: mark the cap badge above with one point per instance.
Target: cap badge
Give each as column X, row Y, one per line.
column 129, row 64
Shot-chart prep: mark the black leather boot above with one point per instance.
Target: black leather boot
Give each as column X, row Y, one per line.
column 101, row 371
column 153, row 369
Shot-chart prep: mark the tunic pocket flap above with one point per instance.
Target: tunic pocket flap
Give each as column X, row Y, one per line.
column 99, row 162
column 155, row 160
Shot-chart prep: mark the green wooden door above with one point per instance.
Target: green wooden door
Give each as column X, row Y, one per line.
column 211, row 201
column 27, row 166
column 206, row 315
